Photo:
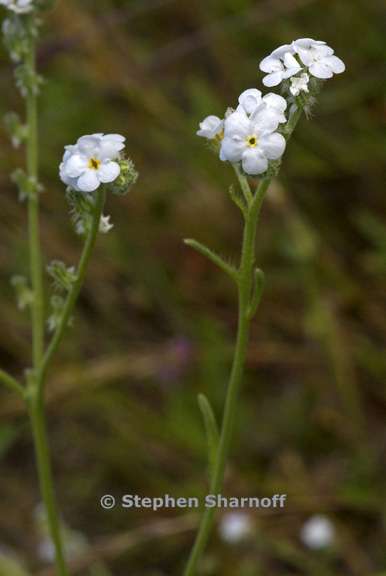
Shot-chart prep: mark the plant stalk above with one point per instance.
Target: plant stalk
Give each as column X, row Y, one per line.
column 33, row 215
column 73, row 294
column 245, row 285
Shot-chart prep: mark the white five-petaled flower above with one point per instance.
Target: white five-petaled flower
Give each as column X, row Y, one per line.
column 18, row 6
column 252, row 139
column 92, row 161
column 299, row 84
column 318, row 532
column 318, row 58
column 211, row 127
column 303, row 55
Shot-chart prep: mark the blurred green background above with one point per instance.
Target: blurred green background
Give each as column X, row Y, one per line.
column 155, row 322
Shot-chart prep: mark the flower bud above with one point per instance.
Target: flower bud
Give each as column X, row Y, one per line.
column 126, row 179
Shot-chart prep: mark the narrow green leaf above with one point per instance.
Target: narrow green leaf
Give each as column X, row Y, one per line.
column 215, row 258
column 211, row 429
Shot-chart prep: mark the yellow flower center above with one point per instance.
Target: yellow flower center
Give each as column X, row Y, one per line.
column 219, row 136
column 94, row 163
column 252, row 141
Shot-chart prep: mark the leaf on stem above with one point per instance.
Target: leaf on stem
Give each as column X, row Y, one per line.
column 215, row 258
column 24, row 294
column 27, row 186
column 257, row 292
column 63, row 277
column 17, row 131
column 57, row 306
column 237, row 199
column 211, row 429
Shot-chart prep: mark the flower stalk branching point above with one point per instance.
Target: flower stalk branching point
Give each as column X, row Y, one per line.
column 92, row 168
column 253, row 138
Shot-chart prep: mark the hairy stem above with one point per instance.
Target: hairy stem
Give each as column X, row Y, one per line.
column 75, row 288
column 245, row 284
column 36, row 394
column 42, row 452
column 33, row 216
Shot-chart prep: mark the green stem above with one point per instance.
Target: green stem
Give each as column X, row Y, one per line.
column 245, row 300
column 11, row 383
column 36, row 394
column 75, row 289
column 39, row 430
column 33, row 216
column 245, row 284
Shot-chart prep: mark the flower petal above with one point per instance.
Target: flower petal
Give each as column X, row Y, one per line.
column 279, row 52
column 88, row 145
column 254, row 162
column 232, row 149
column 88, row 182
column 273, row 79
column 290, row 61
column 276, row 102
column 270, row 64
column 321, row 70
column 273, row 145
column 108, row 172
column 250, row 99
column 265, row 120
column 210, row 126
column 336, row 64
column 237, row 124
column 75, row 166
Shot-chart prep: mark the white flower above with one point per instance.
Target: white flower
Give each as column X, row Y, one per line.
column 252, row 98
column 318, row 58
column 279, row 65
column 211, row 127
column 303, row 55
column 18, row 6
column 91, row 161
column 105, row 225
column 235, row 527
column 299, row 84
column 252, row 140
column 318, row 533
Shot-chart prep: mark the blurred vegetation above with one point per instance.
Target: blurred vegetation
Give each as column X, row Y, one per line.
column 156, row 322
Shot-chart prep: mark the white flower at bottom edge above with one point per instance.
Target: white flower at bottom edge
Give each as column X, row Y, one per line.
column 299, row 84
column 318, row 57
column 211, row 127
column 318, row 532
column 18, row 6
column 91, row 161
column 252, row 140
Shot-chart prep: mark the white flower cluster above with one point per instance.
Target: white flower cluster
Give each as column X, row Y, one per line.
column 92, row 161
column 297, row 61
column 251, row 134
column 18, row 6
column 248, row 134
